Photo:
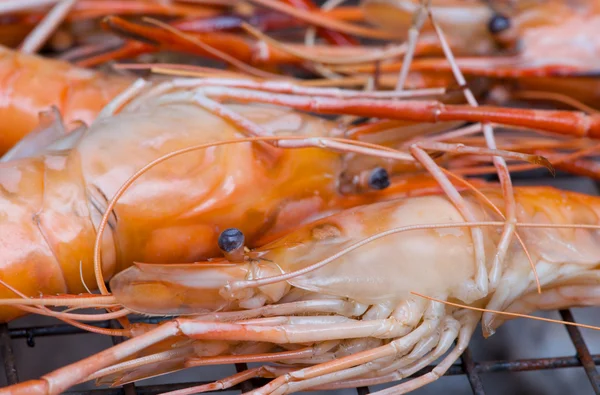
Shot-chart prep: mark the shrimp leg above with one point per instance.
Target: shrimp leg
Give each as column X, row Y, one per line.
column 550, row 299
column 413, row 36
column 464, row 337
column 228, row 382
column 62, row 379
column 450, row 331
column 570, row 123
column 324, row 306
column 394, row 371
column 431, row 321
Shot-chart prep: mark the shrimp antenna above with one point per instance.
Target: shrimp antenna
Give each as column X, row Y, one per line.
column 327, row 22
column 42, row 32
column 558, row 97
column 182, row 70
column 371, row 56
column 479, row 194
column 81, row 277
column 214, row 51
column 31, row 306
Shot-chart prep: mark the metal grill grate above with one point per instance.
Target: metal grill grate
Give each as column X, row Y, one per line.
column 469, row 367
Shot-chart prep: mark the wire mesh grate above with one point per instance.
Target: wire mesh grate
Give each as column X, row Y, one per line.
column 471, row 368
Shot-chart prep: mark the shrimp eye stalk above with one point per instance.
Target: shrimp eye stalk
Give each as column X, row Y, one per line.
column 367, row 180
column 231, row 244
column 498, row 24
column 379, row 179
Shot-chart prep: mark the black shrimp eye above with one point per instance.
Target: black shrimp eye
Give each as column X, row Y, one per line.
column 231, row 239
column 379, row 179
column 498, row 24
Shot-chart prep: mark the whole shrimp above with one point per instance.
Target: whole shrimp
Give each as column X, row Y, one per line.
column 79, row 94
column 550, row 58
column 542, row 54
column 31, row 84
column 307, row 302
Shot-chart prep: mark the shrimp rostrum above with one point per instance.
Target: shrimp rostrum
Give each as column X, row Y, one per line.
column 352, row 299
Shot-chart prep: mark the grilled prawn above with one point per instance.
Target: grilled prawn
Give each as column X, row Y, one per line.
column 340, row 302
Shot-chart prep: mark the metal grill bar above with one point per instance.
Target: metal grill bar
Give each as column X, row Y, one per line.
column 526, row 365
column 363, row 390
column 246, row 386
column 10, row 367
column 455, row 370
column 472, row 374
column 582, row 351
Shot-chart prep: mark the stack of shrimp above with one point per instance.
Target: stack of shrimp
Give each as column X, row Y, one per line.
column 500, row 52
column 346, row 252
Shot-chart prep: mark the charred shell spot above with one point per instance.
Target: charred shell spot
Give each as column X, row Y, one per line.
column 498, row 24
column 231, row 239
column 379, row 179
column 325, row 231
